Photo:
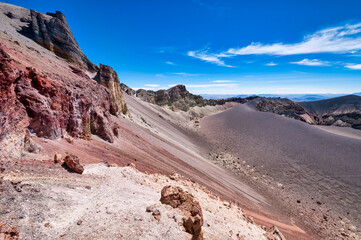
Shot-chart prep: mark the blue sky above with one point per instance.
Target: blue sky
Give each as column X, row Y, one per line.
column 221, row 47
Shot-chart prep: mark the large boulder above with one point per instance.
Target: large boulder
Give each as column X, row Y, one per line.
column 178, row 198
column 73, row 163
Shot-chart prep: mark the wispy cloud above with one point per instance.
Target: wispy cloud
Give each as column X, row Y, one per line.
column 211, row 58
column 151, row 85
column 341, row 39
column 186, row 74
column 354, row 66
column 211, row 85
column 312, row 62
column 222, row 81
column 160, row 75
column 170, row 63
column 271, row 64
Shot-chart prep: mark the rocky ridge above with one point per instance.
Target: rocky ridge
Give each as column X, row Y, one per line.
column 46, row 96
column 179, row 98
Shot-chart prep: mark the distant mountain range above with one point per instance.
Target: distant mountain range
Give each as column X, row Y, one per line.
column 293, row 97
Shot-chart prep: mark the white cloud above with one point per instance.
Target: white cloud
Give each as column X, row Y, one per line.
column 212, row 58
column 169, row 63
column 159, row 75
column 151, row 85
column 331, row 40
column 312, row 62
column 354, row 66
column 342, row 39
column 222, row 81
column 210, row 85
column 186, row 74
column 271, row 64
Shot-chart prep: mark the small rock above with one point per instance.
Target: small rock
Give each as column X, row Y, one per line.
column 58, row 158
column 69, row 140
column 79, row 222
column 132, row 165
column 175, row 176
column 156, row 212
column 15, row 182
column 149, row 209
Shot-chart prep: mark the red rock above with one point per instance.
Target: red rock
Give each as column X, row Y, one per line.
column 58, row 158
column 48, row 99
column 73, row 163
column 8, row 233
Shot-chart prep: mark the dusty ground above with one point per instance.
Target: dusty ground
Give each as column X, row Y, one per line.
column 46, row 202
column 158, row 145
column 158, row 140
column 310, row 174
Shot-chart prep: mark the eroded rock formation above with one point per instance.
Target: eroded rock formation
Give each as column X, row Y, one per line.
column 178, row 98
column 49, row 97
column 178, row 198
column 52, row 32
column 107, row 77
column 284, row 106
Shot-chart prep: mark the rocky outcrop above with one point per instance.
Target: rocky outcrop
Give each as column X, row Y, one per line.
column 107, row 77
column 13, row 117
column 283, row 106
column 52, row 32
column 47, row 97
column 127, row 89
column 341, row 111
column 178, row 198
column 72, row 162
column 31, row 102
column 178, row 98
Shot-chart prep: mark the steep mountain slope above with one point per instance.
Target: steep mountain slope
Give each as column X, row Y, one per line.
column 321, row 170
column 46, row 95
column 53, row 101
column 344, row 110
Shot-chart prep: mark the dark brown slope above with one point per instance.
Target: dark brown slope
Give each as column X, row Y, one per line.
column 343, row 111
column 340, row 104
column 320, row 169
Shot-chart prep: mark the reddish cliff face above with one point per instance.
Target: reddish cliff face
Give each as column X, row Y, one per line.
column 49, row 96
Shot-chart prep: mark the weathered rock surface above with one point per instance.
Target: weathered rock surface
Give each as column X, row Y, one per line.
column 44, row 95
column 107, row 77
column 177, row 198
column 341, row 111
column 8, row 233
column 178, row 98
column 51, row 31
column 283, row 106
column 127, row 89
column 73, row 163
